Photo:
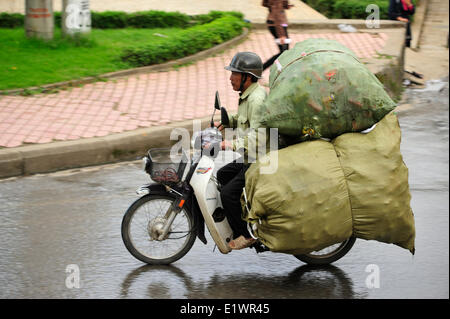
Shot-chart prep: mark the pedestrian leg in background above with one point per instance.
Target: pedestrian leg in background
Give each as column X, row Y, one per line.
column 408, row 35
column 281, row 47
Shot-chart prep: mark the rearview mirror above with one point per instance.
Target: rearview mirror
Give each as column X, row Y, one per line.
column 217, row 101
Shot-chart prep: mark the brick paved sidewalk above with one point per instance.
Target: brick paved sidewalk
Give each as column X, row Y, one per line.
column 125, row 104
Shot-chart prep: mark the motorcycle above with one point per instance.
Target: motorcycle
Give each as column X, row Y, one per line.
column 162, row 225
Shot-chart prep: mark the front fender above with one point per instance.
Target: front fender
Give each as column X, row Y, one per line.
column 151, row 189
column 156, row 188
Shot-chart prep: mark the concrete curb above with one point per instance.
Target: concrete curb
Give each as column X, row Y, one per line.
column 145, row 69
column 45, row 158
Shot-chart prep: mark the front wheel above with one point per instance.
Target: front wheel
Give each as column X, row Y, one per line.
column 329, row 254
column 141, row 226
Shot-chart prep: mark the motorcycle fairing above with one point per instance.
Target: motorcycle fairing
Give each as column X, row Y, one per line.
column 208, row 198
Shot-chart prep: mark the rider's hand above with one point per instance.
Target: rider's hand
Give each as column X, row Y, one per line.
column 402, row 19
column 219, row 126
column 226, row 145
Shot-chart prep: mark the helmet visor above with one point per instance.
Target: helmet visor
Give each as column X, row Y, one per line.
column 233, row 69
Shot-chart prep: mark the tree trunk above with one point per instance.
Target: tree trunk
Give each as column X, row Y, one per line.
column 39, row 21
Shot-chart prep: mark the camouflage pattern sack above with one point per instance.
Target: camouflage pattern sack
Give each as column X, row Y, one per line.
column 320, row 89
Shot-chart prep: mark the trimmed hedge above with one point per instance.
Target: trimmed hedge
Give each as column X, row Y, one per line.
column 187, row 42
column 11, row 20
column 157, row 19
column 120, row 19
column 323, row 6
column 356, row 9
column 143, row 19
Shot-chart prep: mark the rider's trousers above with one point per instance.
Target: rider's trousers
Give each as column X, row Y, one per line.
column 232, row 179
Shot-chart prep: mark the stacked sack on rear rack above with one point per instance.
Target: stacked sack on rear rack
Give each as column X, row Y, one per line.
column 326, row 191
column 320, row 89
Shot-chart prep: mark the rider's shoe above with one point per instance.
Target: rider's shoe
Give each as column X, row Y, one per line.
column 241, row 242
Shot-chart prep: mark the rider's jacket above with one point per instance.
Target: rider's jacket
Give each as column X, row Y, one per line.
column 248, row 117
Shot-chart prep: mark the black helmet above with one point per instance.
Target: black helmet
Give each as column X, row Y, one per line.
column 246, row 62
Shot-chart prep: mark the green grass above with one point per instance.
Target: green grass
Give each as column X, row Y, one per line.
column 31, row 62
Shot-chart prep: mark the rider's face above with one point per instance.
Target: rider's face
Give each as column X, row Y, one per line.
column 235, row 79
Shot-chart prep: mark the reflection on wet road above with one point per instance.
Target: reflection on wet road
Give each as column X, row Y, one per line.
column 48, row 222
column 301, row 282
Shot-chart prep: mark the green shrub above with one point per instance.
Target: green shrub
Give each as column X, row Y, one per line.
column 201, row 19
column 157, row 19
column 213, row 15
column 11, row 20
column 356, row 9
column 119, row 19
column 109, row 19
column 187, row 42
column 323, row 6
column 57, row 17
column 349, row 9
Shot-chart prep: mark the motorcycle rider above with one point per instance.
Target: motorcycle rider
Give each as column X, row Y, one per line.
column 246, row 68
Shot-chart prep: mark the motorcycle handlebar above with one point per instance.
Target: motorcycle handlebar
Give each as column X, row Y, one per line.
column 212, row 149
column 207, row 136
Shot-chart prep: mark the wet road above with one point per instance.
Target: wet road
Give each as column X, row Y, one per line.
column 49, row 222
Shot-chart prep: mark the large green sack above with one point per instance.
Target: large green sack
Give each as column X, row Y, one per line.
column 324, row 192
column 377, row 180
column 320, row 89
column 304, row 206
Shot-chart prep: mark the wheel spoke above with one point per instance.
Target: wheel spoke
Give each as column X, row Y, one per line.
column 146, row 223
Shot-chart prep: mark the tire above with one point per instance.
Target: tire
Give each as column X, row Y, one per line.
column 146, row 213
column 324, row 256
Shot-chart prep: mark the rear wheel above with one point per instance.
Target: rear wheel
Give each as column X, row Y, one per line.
column 142, row 225
column 329, row 254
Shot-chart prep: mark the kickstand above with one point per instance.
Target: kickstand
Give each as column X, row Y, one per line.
column 215, row 245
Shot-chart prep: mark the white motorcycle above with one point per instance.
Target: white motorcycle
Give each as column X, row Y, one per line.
column 162, row 225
